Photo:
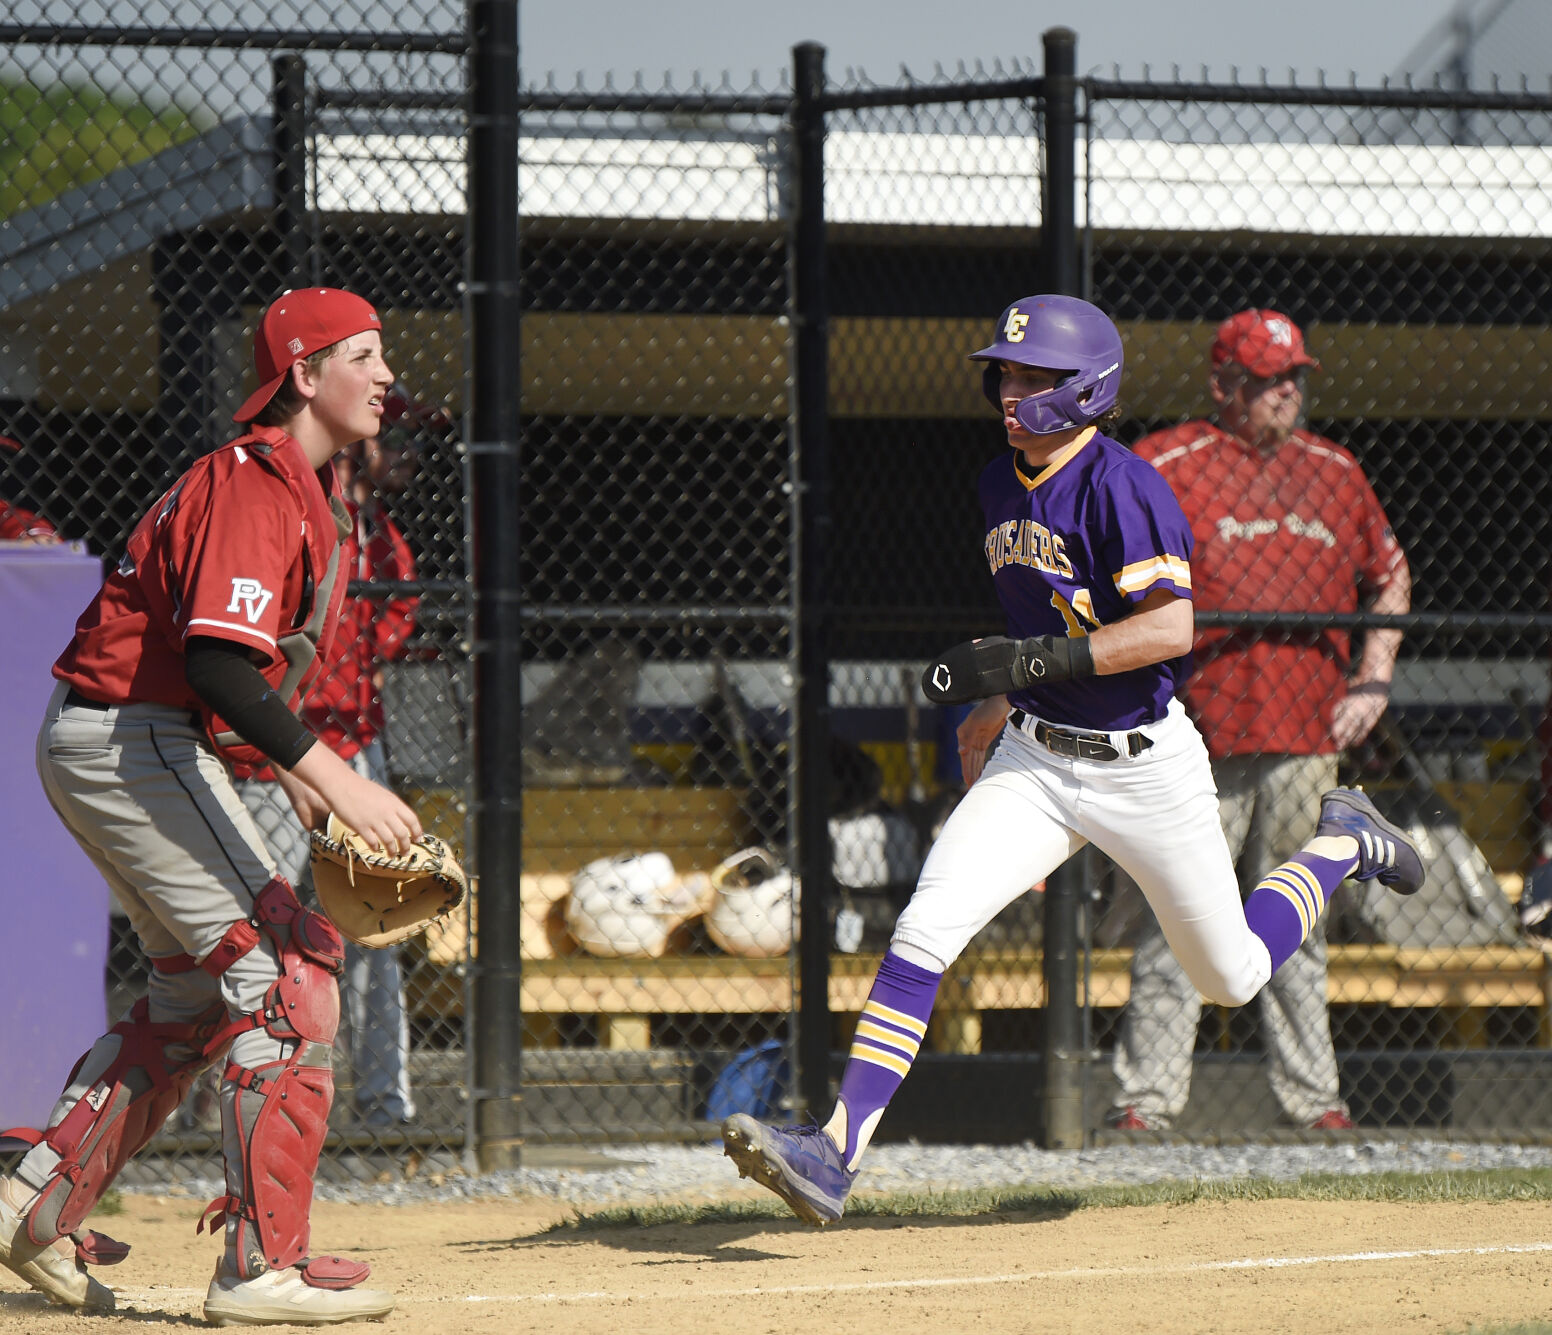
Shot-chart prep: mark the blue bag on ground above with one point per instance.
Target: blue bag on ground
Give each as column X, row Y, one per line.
column 754, row 1082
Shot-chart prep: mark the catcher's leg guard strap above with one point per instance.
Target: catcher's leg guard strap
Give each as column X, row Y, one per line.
column 143, row 1080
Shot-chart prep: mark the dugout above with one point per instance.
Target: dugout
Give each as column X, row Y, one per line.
column 125, row 307
column 658, row 383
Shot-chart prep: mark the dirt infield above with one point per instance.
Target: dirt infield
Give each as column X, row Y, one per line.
column 1291, row 1267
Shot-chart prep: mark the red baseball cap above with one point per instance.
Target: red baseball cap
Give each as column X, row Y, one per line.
column 1263, row 342
column 301, row 322
column 10, row 444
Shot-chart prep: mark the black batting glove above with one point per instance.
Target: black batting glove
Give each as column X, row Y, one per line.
column 996, row 665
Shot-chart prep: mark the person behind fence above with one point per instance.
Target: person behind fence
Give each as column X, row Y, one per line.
column 344, row 707
column 208, row 627
column 16, row 523
column 1284, row 521
column 1077, row 737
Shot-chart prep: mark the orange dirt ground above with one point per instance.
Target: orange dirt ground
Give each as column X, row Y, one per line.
column 1296, row 1268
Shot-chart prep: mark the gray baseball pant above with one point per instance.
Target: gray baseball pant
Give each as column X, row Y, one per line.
column 152, row 805
column 1267, row 804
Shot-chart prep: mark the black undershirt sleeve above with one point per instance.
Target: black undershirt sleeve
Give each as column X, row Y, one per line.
column 222, row 675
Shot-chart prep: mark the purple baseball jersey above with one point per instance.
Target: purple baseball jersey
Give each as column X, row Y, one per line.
column 1078, row 546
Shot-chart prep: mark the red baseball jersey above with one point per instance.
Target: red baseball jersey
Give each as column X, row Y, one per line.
column 237, row 550
column 1299, row 530
column 18, row 523
column 344, row 706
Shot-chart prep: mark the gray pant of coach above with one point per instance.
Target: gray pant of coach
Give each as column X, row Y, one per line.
column 1269, row 803
column 375, row 1028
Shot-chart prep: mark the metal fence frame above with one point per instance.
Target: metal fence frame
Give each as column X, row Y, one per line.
column 500, row 617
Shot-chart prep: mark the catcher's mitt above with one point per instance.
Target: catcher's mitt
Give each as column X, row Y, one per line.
column 378, row 899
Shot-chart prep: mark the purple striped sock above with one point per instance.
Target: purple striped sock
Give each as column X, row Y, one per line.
column 888, row 1036
column 1284, row 908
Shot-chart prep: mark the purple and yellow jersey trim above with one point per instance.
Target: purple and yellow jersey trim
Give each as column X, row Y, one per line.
column 1155, row 572
column 1077, row 546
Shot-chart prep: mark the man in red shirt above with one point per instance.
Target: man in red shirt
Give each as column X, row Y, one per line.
column 1283, row 521
column 17, row 524
column 344, row 707
column 190, row 657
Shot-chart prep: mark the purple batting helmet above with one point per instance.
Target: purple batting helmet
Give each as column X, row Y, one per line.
column 1060, row 334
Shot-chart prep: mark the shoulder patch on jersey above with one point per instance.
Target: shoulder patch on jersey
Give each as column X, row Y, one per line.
column 249, row 597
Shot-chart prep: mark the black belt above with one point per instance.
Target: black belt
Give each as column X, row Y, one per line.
column 1080, row 745
column 76, row 700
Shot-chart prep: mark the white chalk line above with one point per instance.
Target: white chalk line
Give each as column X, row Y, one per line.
column 944, row 1282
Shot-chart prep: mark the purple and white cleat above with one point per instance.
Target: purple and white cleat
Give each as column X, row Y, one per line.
column 803, row 1166
column 1385, row 851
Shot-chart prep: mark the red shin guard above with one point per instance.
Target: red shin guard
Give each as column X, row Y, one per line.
column 281, row 1109
column 124, row 1107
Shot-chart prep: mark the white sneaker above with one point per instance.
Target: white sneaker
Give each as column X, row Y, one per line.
column 53, row 1270
column 283, row 1297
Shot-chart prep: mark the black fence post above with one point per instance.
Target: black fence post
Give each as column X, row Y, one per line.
column 812, row 722
column 496, row 651
column 289, row 136
column 1059, row 212
column 1059, row 955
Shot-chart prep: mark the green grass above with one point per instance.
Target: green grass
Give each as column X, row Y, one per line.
column 1513, row 1328
column 1531, row 1184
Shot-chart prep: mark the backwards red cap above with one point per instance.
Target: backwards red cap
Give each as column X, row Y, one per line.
column 1263, row 342
column 301, row 322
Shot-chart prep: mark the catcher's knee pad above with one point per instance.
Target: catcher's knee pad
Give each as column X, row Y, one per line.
column 147, row 1069
column 277, row 1114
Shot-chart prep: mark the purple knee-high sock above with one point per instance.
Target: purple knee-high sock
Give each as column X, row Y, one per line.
column 1284, row 908
column 888, row 1036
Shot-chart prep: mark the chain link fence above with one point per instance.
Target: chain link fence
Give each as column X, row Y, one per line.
column 1406, row 237
column 163, row 183
column 162, row 186
column 658, row 569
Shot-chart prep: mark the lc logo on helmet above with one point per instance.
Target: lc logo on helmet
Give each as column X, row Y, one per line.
column 1013, row 330
column 942, row 678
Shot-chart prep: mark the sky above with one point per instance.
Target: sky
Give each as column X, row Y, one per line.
column 1369, row 38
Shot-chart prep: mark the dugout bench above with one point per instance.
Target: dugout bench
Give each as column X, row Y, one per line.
column 622, row 996
column 563, row 828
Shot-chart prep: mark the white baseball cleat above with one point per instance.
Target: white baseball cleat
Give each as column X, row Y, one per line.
column 54, row 1271
column 284, row 1298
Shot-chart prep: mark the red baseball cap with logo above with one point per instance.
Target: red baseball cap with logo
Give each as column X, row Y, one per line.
column 1263, row 342
column 301, row 322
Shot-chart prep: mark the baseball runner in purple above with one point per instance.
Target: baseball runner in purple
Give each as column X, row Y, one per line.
column 1076, row 738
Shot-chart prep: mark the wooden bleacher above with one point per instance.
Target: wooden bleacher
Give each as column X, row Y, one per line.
column 696, row 827
column 622, row 995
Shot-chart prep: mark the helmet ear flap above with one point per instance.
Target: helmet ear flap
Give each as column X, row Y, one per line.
column 991, row 384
